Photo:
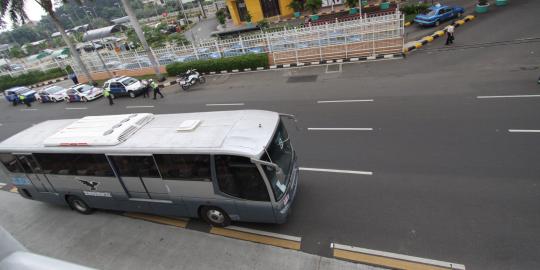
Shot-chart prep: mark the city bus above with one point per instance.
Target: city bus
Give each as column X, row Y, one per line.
column 218, row 166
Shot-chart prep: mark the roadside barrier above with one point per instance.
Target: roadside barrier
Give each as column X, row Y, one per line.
column 437, row 34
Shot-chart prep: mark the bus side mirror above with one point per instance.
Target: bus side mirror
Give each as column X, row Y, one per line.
column 291, row 117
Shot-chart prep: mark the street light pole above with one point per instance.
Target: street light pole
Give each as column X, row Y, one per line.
column 186, row 19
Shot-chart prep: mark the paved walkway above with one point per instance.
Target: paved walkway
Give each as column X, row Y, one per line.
column 202, row 29
column 110, row 241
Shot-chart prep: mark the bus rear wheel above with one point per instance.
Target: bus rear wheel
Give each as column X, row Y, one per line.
column 215, row 216
column 79, row 205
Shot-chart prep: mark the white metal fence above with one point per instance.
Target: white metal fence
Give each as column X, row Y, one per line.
column 354, row 38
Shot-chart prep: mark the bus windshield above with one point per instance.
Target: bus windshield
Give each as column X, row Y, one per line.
column 279, row 152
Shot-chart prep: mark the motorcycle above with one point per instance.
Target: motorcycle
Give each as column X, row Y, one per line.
column 190, row 78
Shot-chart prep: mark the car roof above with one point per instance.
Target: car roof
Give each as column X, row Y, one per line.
column 243, row 132
column 18, row 89
column 118, row 79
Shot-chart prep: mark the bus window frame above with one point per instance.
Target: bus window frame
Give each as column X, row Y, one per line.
column 218, row 191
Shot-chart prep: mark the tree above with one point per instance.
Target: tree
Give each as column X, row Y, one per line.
column 15, row 9
column 138, row 30
column 16, row 52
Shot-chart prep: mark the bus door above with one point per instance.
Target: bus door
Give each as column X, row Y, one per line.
column 34, row 172
column 140, row 176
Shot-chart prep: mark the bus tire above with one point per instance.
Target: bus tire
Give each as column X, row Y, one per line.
column 215, row 216
column 79, row 205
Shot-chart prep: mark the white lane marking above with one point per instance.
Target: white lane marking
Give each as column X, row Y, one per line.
column 399, row 256
column 29, row 110
column 524, row 130
column 225, row 104
column 345, row 101
column 335, row 171
column 75, row 108
column 509, row 96
column 271, row 234
column 342, row 129
column 133, row 107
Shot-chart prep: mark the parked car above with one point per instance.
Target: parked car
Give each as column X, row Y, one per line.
column 28, row 94
column 83, row 93
column 438, row 14
column 51, row 94
column 124, row 85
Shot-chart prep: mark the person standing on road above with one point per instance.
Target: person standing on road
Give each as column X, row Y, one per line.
column 146, row 89
column 155, row 87
column 23, row 99
column 450, row 34
column 107, row 93
column 74, row 78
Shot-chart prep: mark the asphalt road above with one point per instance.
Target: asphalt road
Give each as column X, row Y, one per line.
column 450, row 182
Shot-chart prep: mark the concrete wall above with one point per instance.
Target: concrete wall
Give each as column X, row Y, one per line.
column 255, row 10
column 231, row 5
column 285, row 9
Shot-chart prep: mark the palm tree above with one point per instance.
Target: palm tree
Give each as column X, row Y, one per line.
column 15, row 8
column 138, row 30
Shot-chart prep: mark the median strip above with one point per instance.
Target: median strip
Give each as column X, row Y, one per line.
column 390, row 260
column 414, row 45
column 262, row 237
column 177, row 222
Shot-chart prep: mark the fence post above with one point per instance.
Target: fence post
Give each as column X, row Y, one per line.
column 241, row 44
column 296, row 45
column 195, row 50
column 320, row 45
column 268, row 44
column 218, row 49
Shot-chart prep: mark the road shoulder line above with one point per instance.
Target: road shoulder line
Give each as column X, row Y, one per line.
column 261, row 237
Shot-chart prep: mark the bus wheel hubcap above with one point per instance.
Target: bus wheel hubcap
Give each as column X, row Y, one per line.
column 216, row 216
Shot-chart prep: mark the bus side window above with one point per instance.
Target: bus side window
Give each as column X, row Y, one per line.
column 184, row 167
column 11, row 164
column 75, row 164
column 239, row 177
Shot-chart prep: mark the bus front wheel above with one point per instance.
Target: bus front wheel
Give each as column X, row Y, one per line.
column 215, row 216
column 79, row 205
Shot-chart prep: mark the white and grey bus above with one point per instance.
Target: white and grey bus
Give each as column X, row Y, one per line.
column 220, row 166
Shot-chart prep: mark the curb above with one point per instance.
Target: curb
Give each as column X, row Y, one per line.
column 440, row 33
column 48, row 82
column 283, row 66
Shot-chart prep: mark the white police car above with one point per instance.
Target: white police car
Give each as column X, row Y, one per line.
column 123, row 86
column 83, row 93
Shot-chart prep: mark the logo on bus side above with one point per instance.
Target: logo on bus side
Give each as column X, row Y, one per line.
column 91, row 184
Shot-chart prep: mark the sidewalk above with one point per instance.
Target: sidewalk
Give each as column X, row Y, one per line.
column 106, row 240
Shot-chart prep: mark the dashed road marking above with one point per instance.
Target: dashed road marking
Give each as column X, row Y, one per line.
column 524, row 130
column 390, row 260
column 28, row 110
column 341, row 129
column 345, row 101
column 144, row 106
column 225, row 104
column 177, row 222
column 335, row 171
column 262, row 237
column 508, row 96
column 76, row 108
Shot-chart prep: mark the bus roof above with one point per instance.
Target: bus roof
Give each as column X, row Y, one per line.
column 245, row 132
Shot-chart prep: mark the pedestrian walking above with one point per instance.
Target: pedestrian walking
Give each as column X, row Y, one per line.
column 24, row 100
column 155, row 87
column 450, row 34
column 146, row 89
column 107, row 93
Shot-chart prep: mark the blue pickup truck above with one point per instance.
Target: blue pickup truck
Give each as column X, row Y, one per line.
column 438, row 14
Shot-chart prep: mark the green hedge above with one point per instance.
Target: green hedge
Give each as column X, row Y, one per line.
column 31, row 77
column 248, row 61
